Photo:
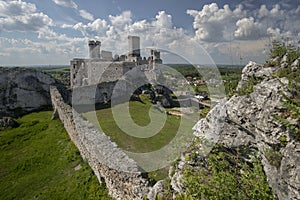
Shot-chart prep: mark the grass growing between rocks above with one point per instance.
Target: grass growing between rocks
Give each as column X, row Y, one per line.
column 38, row 160
column 224, row 174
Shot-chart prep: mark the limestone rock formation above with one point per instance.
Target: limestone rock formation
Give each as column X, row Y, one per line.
column 7, row 122
column 249, row 120
column 23, row 90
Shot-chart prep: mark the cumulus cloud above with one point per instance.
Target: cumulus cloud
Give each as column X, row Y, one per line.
column 113, row 32
column 212, row 23
column 119, row 21
column 98, row 27
column 247, row 29
column 163, row 20
column 263, row 11
column 15, row 8
column 22, row 16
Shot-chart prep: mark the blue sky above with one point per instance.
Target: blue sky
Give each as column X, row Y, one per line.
column 50, row 32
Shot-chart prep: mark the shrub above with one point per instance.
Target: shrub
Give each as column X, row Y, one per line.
column 278, row 49
column 274, row 157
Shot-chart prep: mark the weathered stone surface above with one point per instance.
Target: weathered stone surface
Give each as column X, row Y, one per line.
column 6, row 122
column 249, row 121
column 121, row 174
column 254, row 70
column 23, row 90
column 156, row 190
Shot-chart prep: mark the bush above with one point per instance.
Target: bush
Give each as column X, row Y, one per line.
column 278, row 50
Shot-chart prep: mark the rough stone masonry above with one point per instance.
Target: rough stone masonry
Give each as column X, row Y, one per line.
column 121, row 174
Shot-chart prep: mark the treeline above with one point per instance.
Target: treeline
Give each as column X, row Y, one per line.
column 190, row 70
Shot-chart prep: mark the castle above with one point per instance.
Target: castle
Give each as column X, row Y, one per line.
column 101, row 67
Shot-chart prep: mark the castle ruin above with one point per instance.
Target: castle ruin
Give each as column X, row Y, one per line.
column 101, row 67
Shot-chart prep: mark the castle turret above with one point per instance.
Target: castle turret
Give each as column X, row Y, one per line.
column 134, row 46
column 155, row 57
column 94, row 49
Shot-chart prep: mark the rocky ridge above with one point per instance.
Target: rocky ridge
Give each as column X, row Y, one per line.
column 23, row 90
column 250, row 120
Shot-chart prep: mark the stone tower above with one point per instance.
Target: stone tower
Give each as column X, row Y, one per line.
column 94, row 49
column 134, row 46
column 155, row 58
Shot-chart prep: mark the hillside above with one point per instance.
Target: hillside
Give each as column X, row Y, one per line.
column 247, row 147
column 38, row 161
column 23, row 90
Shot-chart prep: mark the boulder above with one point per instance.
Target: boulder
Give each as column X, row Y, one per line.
column 249, row 120
column 7, row 122
column 23, row 90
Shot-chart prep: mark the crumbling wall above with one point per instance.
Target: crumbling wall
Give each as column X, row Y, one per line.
column 93, row 94
column 93, row 71
column 121, row 174
column 78, row 72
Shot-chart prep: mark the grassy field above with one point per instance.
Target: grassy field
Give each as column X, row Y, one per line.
column 139, row 114
column 38, row 160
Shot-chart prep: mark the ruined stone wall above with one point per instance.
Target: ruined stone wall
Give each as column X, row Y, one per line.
column 121, row 174
column 93, row 71
column 93, row 94
column 78, row 72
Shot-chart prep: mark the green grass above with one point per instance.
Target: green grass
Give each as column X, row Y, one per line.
column 139, row 114
column 226, row 176
column 37, row 160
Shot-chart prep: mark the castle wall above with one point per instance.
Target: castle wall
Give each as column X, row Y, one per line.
column 106, row 55
column 120, row 173
column 78, row 72
column 92, row 94
column 93, row 71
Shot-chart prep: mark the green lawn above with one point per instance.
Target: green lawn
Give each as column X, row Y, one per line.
column 38, row 160
column 139, row 112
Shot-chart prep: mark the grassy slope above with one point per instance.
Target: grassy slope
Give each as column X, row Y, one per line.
column 37, row 160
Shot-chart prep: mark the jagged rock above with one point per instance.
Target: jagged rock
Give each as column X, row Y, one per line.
column 156, row 190
column 295, row 63
column 249, row 121
column 176, row 176
column 284, row 65
column 256, row 71
column 6, row 122
column 23, row 90
column 284, row 58
column 294, row 68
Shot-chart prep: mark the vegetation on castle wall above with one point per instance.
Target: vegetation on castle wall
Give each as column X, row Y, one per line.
column 38, row 160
